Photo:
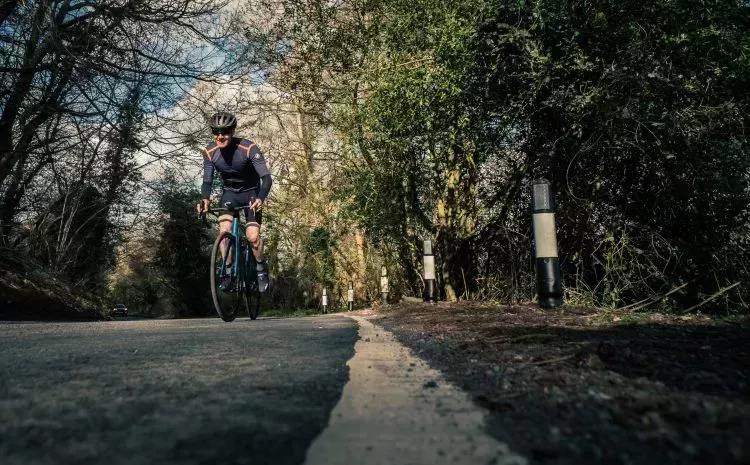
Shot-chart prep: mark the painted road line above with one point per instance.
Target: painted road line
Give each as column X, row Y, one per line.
column 395, row 409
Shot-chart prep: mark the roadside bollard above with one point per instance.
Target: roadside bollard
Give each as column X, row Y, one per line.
column 548, row 282
column 350, row 296
column 384, row 285
column 325, row 301
column 429, row 272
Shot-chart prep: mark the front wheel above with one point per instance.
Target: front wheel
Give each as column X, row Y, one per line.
column 229, row 301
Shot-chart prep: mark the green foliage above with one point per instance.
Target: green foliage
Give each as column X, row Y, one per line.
column 319, row 241
column 641, row 111
column 164, row 271
column 319, row 245
column 182, row 254
column 635, row 112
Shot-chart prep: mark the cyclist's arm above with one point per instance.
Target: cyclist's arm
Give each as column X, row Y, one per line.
column 259, row 163
column 265, row 186
column 208, row 177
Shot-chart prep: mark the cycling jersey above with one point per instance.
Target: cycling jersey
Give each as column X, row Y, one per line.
column 241, row 165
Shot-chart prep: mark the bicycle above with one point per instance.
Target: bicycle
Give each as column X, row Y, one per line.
column 243, row 290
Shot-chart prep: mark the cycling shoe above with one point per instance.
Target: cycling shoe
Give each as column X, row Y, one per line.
column 263, row 278
column 225, row 282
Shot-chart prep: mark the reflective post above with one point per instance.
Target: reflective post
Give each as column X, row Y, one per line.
column 429, row 272
column 548, row 282
column 384, row 285
column 325, row 300
column 350, row 296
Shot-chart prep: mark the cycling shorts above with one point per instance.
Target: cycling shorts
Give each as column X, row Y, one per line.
column 241, row 199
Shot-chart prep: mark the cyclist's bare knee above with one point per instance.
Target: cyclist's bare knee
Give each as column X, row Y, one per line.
column 253, row 234
column 225, row 223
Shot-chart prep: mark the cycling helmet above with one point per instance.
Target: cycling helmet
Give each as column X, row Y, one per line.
column 223, row 120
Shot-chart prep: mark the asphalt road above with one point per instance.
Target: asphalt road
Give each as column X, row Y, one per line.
column 169, row 391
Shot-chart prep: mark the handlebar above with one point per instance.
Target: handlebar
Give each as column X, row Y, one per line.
column 216, row 211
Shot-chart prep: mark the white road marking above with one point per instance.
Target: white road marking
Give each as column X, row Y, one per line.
column 396, row 410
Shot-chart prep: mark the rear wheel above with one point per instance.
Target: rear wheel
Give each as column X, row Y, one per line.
column 253, row 304
column 227, row 303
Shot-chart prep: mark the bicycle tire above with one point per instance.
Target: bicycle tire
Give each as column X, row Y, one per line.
column 253, row 304
column 226, row 303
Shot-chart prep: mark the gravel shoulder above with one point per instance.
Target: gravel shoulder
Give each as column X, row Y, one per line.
column 581, row 385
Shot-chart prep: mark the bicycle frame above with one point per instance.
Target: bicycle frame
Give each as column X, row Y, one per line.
column 235, row 231
column 238, row 258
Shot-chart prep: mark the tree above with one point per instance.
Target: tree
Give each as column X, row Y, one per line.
column 183, row 250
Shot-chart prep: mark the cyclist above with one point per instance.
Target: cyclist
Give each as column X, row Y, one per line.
column 246, row 181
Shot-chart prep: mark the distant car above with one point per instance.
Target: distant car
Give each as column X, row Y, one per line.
column 119, row 310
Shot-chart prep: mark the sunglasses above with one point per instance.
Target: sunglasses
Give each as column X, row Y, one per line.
column 221, row 131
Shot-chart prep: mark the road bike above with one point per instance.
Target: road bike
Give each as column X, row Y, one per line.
column 243, row 290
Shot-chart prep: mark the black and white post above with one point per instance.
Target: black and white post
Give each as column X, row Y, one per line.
column 429, row 272
column 350, row 296
column 324, row 300
column 384, row 285
column 548, row 282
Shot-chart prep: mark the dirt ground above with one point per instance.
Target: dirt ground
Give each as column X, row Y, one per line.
column 583, row 385
column 36, row 295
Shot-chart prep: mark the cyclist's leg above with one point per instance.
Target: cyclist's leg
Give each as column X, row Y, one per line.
column 252, row 230
column 225, row 225
column 225, row 220
column 253, row 221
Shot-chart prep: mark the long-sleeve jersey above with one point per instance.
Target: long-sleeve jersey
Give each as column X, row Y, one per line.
column 241, row 165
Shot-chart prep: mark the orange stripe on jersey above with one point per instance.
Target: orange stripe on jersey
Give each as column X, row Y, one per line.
column 248, row 148
column 210, row 153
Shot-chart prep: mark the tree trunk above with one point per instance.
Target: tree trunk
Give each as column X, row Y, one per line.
column 9, row 202
column 361, row 264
